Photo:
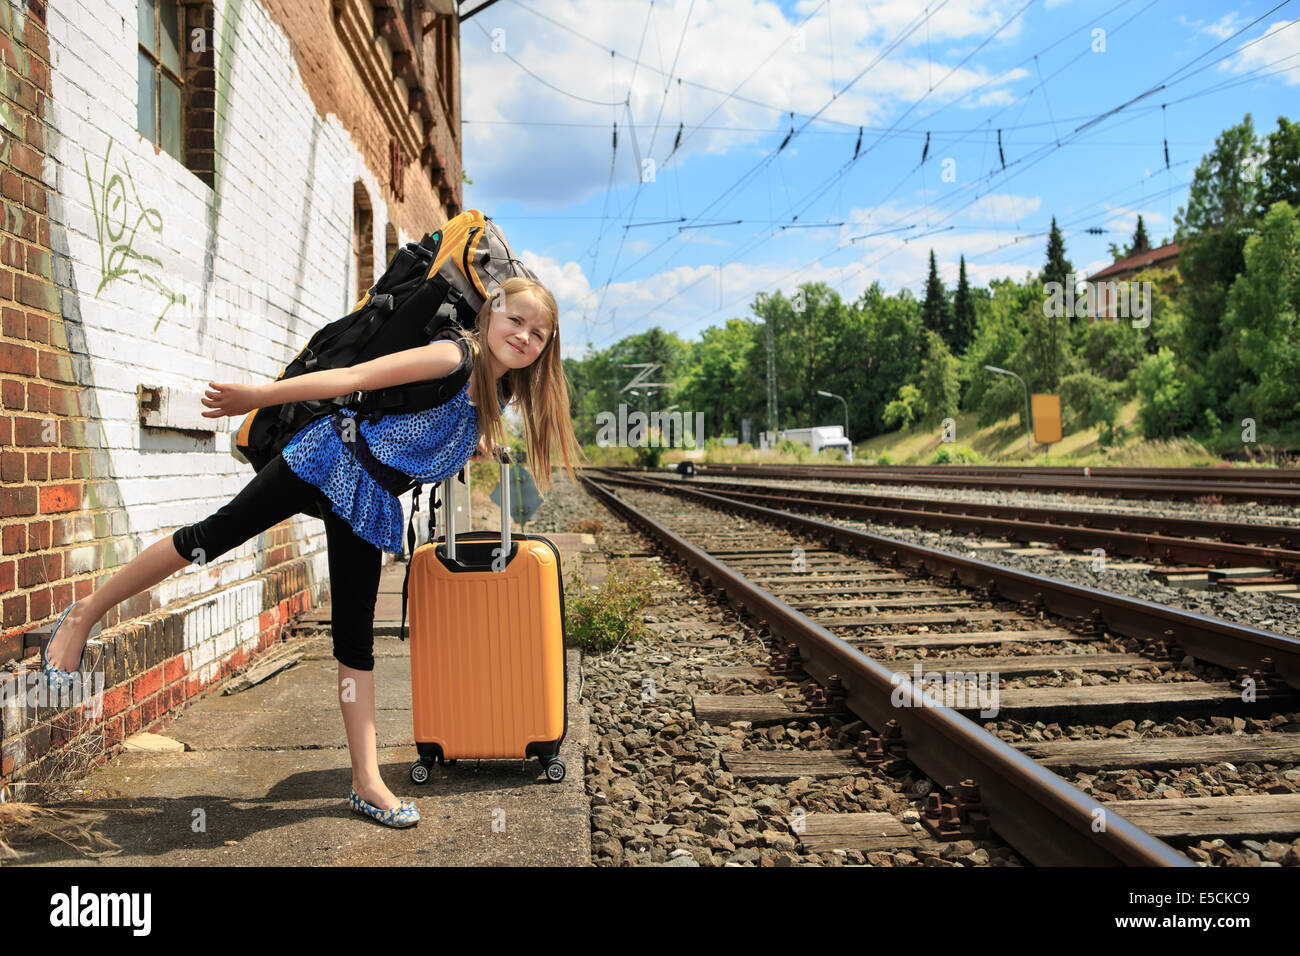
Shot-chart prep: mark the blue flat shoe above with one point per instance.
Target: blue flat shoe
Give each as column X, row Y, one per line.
column 58, row 679
column 402, row 815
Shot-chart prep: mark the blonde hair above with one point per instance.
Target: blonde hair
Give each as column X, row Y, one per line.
column 540, row 390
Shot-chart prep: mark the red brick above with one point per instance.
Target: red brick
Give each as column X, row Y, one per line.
column 12, row 394
column 11, row 185
column 37, row 292
column 59, row 467
column 62, row 402
column 35, row 38
column 17, row 358
column 15, row 503
column 38, row 535
column 31, row 432
column 152, row 707
column 116, row 700
column 38, row 326
column 6, row 284
column 38, row 466
column 15, row 325
column 38, row 397
column 13, row 466
column 15, row 538
column 25, row 159
column 15, row 611
column 13, row 253
column 38, row 261
column 147, row 684
column 56, row 498
column 39, row 569
column 174, row 669
column 40, row 604
column 131, row 722
column 35, row 132
column 7, row 578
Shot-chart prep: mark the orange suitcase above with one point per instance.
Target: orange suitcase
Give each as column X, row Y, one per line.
column 488, row 674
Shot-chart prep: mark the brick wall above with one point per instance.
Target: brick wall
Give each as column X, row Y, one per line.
column 120, row 270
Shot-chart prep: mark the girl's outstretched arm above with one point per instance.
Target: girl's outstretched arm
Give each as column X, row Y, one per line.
column 435, row 360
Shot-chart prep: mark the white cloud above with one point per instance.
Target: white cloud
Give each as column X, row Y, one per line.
column 1281, row 40
column 726, row 42
column 1004, row 207
column 1224, row 27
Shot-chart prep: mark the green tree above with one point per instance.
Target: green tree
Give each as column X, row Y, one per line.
column 1168, row 405
column 999, row 336
column 1261, row 324
column 1057, row 266
column 940, row 382
column 903, row 411
column 963, row 312
column 935, row 314
column 723, row 375
column 1140, row 241
column 1211, row 233
column 1279, row 174
column 883, row 350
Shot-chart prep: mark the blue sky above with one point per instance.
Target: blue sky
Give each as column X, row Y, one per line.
column 541, row 93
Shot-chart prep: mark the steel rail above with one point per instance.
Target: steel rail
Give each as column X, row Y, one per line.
column 1266, row 492
column 1137, row 544
column 1268, row 535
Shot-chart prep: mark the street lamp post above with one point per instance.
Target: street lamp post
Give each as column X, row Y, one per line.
column 846, row 414
column 1002, row 371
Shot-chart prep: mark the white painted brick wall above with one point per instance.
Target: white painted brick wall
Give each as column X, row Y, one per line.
column 282, row 246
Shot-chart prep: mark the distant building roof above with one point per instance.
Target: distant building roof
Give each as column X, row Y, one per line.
column 1138, row 261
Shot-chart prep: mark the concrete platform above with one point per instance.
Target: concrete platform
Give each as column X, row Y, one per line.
column 264, row 779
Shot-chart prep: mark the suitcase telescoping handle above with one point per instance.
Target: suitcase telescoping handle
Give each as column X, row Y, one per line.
column 502, row 454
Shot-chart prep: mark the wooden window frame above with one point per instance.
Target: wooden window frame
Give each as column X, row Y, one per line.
column 155, row 57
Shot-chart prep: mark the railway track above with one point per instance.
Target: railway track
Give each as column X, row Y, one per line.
column 1273, row 489
column 1202, row 548
column 937, row 671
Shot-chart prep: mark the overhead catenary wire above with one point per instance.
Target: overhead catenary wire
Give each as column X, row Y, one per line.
column 1185, row 69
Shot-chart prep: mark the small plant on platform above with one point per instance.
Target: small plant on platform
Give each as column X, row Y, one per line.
column 602, row 618
column 589, row 526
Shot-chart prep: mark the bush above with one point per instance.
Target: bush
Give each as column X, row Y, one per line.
column 949, row 453
column 1169, row 396
column 602, row 618
column 799, row 450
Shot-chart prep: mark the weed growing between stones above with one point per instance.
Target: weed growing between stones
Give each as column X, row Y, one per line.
column 603, row 618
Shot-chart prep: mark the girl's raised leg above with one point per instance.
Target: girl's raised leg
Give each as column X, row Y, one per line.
column 158, row 561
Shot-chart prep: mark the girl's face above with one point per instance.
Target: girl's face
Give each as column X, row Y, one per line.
column 518, row 333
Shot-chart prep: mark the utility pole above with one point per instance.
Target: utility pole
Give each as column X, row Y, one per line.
column 771, row 373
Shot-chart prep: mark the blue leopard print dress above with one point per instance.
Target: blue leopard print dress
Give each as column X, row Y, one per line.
column 429, row 446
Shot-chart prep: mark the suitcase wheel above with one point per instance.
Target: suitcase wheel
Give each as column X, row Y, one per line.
column 420, row 771
column 554, row 769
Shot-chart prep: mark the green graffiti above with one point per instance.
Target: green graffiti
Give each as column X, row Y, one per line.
column 117, row 254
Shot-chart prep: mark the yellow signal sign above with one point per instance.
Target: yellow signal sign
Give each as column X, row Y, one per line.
column 1047, row 418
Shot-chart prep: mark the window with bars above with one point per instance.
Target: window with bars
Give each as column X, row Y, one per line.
column 161, row 87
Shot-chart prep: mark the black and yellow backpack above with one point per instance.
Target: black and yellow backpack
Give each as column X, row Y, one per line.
column 440, row 281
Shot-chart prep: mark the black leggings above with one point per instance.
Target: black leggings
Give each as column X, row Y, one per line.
column 274, row 494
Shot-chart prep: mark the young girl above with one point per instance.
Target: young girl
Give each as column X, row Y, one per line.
column 515, row 357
